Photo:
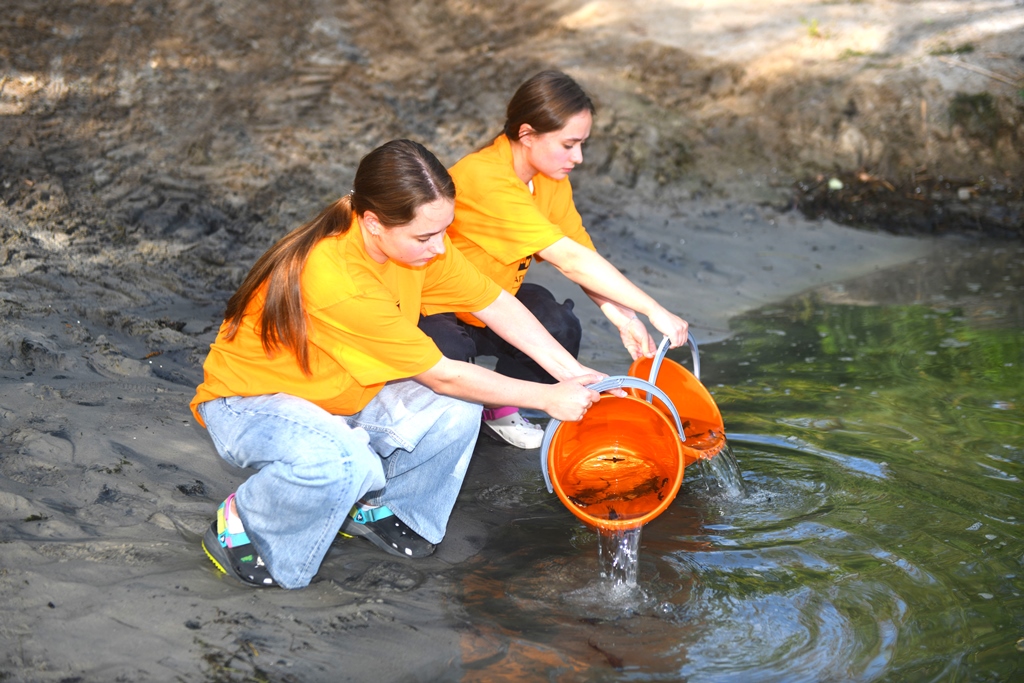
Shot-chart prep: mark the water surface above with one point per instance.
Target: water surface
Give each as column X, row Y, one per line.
column 879, row 429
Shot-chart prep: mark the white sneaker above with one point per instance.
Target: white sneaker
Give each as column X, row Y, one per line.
column 516, row 430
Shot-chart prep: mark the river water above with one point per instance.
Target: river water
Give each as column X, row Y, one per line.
column 879, row 429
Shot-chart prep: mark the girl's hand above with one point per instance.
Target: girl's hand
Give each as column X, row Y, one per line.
column 579, row 370
column 670, row 325
column 569, row 400
column 636, row 339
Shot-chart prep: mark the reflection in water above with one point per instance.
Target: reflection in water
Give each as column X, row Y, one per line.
column 878, row 534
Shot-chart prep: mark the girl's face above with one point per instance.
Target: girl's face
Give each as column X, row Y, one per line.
column 556, row 153
column 413, row 244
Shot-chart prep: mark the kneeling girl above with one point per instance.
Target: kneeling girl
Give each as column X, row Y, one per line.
column 320, row 379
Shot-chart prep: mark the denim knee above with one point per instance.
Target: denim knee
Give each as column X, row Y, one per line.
column 341, row 472
column 460, row 417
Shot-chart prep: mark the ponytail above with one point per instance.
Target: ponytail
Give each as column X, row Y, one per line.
column 283, row 321
column 393, row 181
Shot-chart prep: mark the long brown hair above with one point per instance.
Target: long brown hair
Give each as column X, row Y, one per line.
column 546, row 101
column 393, row 181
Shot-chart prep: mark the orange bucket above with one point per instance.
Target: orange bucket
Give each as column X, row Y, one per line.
column 621, row 465
column 703, row 428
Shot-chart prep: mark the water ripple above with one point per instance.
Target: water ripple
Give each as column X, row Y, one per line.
column 850, row 462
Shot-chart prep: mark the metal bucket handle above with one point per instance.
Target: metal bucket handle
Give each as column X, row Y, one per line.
column 607, row 385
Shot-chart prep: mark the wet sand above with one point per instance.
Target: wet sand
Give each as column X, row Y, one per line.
column 107, row 482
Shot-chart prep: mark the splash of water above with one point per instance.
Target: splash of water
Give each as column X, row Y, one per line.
column 721, row 475
column 619, row 554
column 619, row 549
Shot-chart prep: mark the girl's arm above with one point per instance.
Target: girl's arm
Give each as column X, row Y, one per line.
column 514, row 323
column 618, row 298
column 634, row 334
column 567, row 400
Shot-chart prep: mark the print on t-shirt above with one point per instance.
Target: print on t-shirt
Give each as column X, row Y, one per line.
column 523, row 266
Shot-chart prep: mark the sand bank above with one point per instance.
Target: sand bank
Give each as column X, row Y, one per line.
column 107, row 483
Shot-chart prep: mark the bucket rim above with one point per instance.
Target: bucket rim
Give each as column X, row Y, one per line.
column 607, row 384
column 635, row 522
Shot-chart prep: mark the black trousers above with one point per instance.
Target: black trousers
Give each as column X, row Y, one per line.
column 460, row 341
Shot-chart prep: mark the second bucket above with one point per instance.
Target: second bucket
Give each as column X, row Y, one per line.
column 701, row 420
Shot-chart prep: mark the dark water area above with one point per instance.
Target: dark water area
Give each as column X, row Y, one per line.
column 879, row 532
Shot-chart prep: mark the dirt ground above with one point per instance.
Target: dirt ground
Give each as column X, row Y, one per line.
column 150, row 150
column 182, row 118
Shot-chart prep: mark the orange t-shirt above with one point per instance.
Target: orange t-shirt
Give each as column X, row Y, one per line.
column 361, row 322
column 500, row 224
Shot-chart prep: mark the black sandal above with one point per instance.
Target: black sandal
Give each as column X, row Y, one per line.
column 240, row 562
column 385, row 530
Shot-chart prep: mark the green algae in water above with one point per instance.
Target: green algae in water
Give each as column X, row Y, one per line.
column 880, row 434
column 929, row 389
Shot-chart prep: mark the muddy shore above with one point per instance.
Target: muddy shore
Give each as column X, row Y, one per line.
column 150, row 151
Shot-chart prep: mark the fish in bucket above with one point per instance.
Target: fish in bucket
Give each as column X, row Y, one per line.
column 622, row 464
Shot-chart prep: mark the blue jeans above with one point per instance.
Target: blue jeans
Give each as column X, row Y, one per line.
column 408, row 449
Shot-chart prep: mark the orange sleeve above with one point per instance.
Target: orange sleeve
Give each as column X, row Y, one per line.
column 506, row 223
column 499, row 222
column 452, row 283
column 556, row 199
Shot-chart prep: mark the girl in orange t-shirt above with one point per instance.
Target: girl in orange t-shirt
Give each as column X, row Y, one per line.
column 321, row 381
column 514, row 204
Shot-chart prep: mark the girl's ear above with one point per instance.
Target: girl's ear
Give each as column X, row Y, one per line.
column 372, row 223
column 526, row 133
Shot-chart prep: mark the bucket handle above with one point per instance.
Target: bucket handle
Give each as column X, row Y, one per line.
column 660, row 356
column 606, row 385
